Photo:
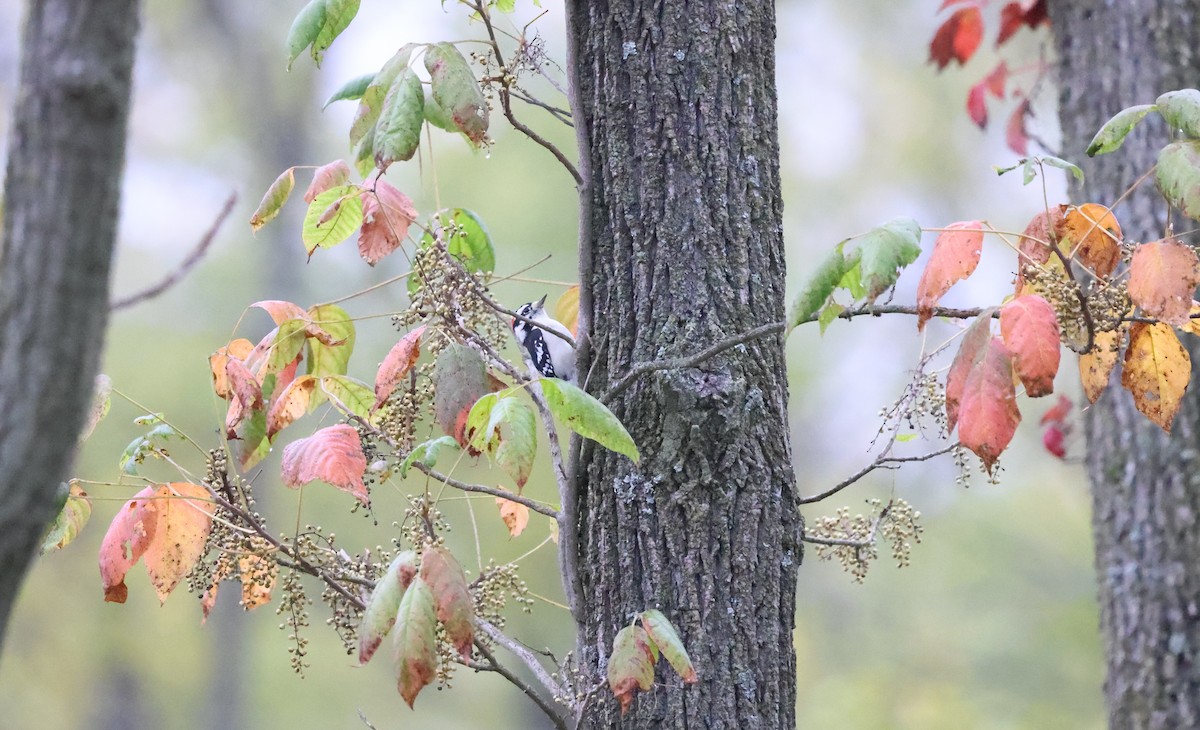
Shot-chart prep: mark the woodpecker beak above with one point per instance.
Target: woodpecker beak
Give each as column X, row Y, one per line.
column 540, row 303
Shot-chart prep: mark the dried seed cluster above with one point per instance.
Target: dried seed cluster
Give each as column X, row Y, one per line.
column 858, row 535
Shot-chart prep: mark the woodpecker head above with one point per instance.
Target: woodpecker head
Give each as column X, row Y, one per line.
column 529, row 310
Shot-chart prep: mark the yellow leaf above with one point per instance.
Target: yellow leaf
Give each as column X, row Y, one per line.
column 1096, row 365
column 566, row 310
column 1157, row 371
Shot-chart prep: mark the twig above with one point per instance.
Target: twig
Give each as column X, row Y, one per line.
column 866, row 542
column 881, row 462
column 192, row 259
column 527, row 658
column 550, row 707
column 483, row 489
column 561, row 115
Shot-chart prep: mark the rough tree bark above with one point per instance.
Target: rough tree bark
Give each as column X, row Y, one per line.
column 66, row 156
column 682, row 246
column 1145, row 484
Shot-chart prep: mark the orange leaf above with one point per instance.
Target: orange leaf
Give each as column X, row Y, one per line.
column 280, row 310
column 958, row 38
column 325, row 177
column 387, row 214
column 1029, row 327
column 248, row 393
column 955, row 256
column 1096, row 366
column 239, row 349
column 455, row 609
column 514, row 514
column 988, row 414
column 1193, row 323
column 1092, row 235
column 631, row 665
column 1157, row 370
column 997, row 80
column 183, row 523
column 566, row 310
column 969, row 352
column 258, row 578
column 291, row 404
column 334, row 455
column 128, row 536
column 1162, row 278
column 399, row 361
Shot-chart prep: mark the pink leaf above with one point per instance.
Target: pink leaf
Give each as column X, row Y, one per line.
column 955, row 256
column 399, row 361
column 128, row 536
column 988, row 415
column 1029, row 327
column 334, row 455
column 387, row 214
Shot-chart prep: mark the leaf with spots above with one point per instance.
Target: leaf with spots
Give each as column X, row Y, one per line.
column 1163, row 276
column 414, row 641
column 514, row 515
column 396, row 366
column 631, row 665
column 273, row 199
column 456, row 90
column 1096, row 366
column 74, row 515
column 1157, row 370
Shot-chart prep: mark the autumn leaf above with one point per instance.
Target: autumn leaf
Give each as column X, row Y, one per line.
column 399, row 361
column 566, row 309
column 1096, row 365
column 969, row 353
column 246, row 389
column 662, row 633
column 1163, row 276
column 1157, row 370
column 1091, row 235
column 280, row 311
column 75, row 513
column 1193, row 323
column 387, row 214
column 333, row 455
column 238, row 349
column 988, row 415
column 274, row 199
column 292, row 403
column 448, row 586
column 352, row 397
column 456, row 90
column 1029, row 327
column 506, row 429
column 128, row 536
column 327, row 176
column 255, row 573
column 414, row 641
column 1015, row 135
column 955, row 255
column 459, row 380
column 958, row 38
column 100, row 405
column 631, row 665
column 184, row 519
column 384, row 603
column 514, row 514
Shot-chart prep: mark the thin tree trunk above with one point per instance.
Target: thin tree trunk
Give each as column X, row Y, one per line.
column 1145, row 484
column 62, row 187
column 681, row 206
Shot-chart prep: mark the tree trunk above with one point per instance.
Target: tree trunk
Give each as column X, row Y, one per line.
column 1145, row 483
column 682, row 247
column 62, row 188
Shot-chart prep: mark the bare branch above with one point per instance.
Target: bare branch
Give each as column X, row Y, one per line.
column 883, row 461
column 483, row 489
column 554, row 711
column 527, row 658
column 188, row 263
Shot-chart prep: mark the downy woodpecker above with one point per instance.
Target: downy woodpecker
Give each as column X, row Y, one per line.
column 551, row 356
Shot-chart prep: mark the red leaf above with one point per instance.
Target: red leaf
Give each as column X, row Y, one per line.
column 387, row 214
column 247, row 392
column 334, row 455
column 958, row 38
column 399, row 361
column 1012, row 17
column 1029, row 326
column 327, row 176
column 128, row 536
column 281, row 311
column 1163, row 275
column 1058, row 414
column 455, row 608
column 988, row 414
column 1014, row 131
column 1035, row 13
column 977, row 104
column 1054, row 440
column 969, row 353
column 997, row 80
column 414, row 641
column 955, row 256
column 948, row 3
column 239, row 349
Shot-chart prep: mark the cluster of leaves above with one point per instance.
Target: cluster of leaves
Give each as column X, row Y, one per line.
column 1079, row 283
column 960, row 36
column 636, row 649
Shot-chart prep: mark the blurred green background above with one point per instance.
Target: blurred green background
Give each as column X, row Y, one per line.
column 992, row 626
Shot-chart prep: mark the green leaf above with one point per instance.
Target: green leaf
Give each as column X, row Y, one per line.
column 428, row 453
column 828, row 314
column 74, row 514
column 630, row 665
column 456, row 90
column 252, row 444
column 885, row 251
column 338, row 14
column 304, row 30
column 505, row 6
column 663, row 634
column 101, row 402
column 1112, row 135
column 352, row 89
column 154, row 443
column 1029, row 171
column 274, row 199
column 332, row 217
column 820, row 287
column 414, row 641
column 436, row 115
column 326, row 359
column 1178, row 174
column 1181, row 110
column 288, row 342
column 398, row 133
column 507, row 429
column 460, row 379
column 587, row 416
column 354, row 396
column 1062, row 164
column 364, row 154
column 371, row 102
column 384, row 603
column 852, row 280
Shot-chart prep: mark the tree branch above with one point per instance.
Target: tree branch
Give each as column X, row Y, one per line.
column 527, row 658
column 881, row 462
column 186, row 266
column 550, row 707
